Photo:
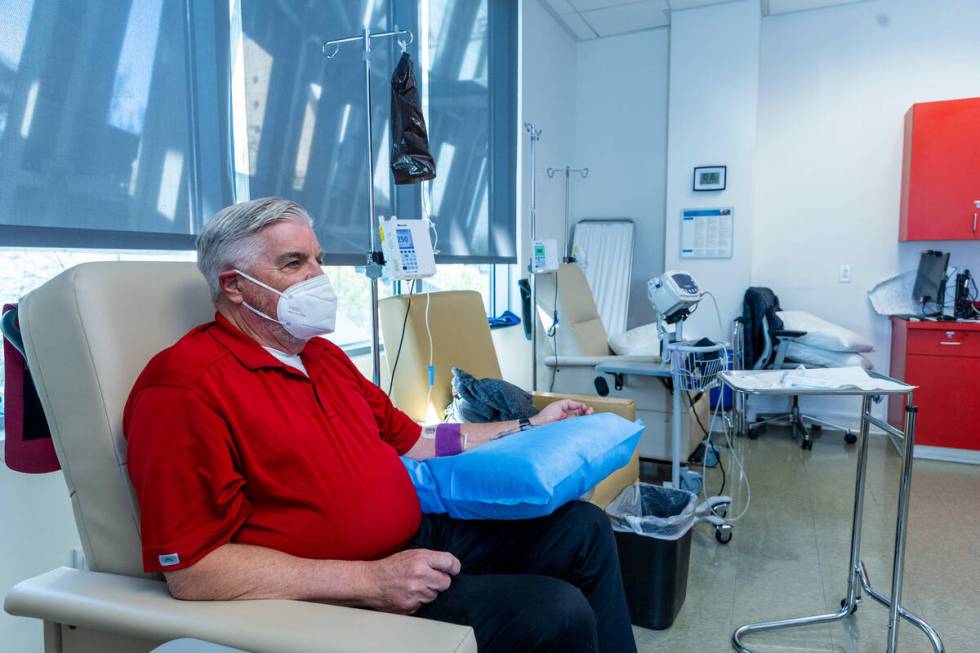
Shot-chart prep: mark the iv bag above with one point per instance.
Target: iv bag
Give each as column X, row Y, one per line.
column 411, row 161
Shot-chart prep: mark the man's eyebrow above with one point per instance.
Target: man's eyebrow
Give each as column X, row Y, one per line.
column 285, row 258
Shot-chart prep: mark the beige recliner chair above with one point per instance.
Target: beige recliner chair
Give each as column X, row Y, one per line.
column 567, row 363
column 88, row 334
column 461, row 338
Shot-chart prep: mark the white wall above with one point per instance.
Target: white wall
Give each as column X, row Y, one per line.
column 714, row 76
column 37, row 534
column 548, row 64
column 548, row 100
column 621, row 136
column 834, row 87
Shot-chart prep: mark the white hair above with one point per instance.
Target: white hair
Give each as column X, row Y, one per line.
column 229, row 240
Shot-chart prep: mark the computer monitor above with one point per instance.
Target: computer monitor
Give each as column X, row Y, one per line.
column 930, row 281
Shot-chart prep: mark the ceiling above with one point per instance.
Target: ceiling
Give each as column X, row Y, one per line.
column 593, row 19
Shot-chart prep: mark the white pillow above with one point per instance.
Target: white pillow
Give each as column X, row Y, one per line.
column 641, row 341
column 823, row 334
column 808, row 355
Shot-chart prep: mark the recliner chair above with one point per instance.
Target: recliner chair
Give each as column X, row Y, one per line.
column 88, row 333
column 461, row 338
column 580, row 342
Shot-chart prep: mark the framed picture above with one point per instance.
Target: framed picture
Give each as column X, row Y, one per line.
column 710, row 177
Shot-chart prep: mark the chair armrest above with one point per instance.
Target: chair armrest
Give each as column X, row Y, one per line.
column 788, row 333
column 592, row 361
column 143, row 608
column 622, row 407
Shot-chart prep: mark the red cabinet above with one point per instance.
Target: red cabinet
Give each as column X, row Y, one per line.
column 943, row 360
column 941, row 171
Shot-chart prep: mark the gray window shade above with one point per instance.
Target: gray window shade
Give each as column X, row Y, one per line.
column 111, row 133
column 307, row 130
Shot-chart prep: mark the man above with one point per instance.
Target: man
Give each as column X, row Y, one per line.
column 266, row 466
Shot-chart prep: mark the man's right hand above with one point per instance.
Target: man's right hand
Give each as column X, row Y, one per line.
column 404, row 582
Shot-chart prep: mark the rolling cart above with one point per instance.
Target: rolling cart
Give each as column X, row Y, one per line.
column 742, row 384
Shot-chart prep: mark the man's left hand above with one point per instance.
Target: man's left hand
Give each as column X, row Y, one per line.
column 559, row 410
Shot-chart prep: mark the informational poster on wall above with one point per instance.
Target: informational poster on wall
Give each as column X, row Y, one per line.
column 707, row 233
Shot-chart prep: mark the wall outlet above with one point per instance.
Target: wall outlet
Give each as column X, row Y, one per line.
column 844, row 276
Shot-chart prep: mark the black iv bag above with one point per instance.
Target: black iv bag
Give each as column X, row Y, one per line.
column 411, row 161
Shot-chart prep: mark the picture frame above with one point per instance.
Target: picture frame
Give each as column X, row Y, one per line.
column 708, row 178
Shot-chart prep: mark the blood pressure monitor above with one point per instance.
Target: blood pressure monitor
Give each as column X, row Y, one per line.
column 673, row 294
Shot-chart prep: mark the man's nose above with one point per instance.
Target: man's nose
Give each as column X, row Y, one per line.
column 313, row 270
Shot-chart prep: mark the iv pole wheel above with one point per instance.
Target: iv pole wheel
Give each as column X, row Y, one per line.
column 850, row 438
column 724, row 533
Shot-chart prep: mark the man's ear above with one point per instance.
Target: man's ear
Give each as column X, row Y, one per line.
column 228, row 281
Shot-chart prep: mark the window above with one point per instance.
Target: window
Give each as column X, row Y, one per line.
column 307, row 129
column 125, row 125
column 23, row 270
column 103, row 140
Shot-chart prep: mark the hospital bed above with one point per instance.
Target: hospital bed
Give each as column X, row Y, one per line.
column 88, row 333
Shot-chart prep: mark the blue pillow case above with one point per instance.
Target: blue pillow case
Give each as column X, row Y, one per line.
column 527, row 474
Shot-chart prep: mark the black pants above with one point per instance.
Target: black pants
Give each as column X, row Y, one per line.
column 547, row 584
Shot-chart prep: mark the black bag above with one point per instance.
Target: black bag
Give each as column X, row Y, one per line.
column 411, row 161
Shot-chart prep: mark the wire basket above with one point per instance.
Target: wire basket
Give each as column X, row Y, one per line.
column 696, row 368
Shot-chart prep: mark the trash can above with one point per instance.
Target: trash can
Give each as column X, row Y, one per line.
column 652, row 525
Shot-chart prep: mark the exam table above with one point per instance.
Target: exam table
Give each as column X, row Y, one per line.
column 88, row 333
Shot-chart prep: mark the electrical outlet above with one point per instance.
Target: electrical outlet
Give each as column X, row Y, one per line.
column 845, row 273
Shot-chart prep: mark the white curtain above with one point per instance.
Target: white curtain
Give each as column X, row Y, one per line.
column 604, row 251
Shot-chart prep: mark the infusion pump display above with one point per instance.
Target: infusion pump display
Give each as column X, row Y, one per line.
column 407, row 248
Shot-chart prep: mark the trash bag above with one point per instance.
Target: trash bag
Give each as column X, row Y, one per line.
column 411, row 161
column 653, row 510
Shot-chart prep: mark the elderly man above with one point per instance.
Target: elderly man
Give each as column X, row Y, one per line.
column 267, row 466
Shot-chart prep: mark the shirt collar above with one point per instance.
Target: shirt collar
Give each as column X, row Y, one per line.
column 245, row 348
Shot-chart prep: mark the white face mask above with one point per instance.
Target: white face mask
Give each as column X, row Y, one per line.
column 305, row 309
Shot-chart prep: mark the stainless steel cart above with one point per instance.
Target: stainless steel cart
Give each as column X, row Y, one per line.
column 740, row 382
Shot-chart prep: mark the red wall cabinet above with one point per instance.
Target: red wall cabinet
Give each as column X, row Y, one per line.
column 941, row 171
column 943, row 360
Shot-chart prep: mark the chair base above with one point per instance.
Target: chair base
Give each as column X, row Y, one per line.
column 801, row 424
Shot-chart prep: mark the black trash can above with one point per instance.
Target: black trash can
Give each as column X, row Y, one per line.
column 652, row 525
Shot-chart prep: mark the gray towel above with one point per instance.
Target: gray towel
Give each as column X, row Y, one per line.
column 487, row 400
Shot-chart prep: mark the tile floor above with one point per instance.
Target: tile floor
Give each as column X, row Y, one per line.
column 788, row 556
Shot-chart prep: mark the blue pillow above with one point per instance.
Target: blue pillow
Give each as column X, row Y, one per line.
column 527, row 474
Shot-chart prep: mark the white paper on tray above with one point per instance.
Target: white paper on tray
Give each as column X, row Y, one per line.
column 822, row 378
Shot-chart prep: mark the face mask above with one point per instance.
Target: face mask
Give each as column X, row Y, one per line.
column 306, row 309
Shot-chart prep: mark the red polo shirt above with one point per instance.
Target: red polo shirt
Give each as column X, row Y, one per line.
column 228, row 444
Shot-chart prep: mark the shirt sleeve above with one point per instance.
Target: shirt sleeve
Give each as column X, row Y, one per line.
column 182, row 463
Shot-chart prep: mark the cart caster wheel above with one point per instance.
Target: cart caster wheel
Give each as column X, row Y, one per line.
column 843, row 602
column 816, row 428
column 806, row 445
column 850, row 438
column 723, row 534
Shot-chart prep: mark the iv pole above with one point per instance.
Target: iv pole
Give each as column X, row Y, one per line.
column 535, row 137
column 583, row 172
column 375, row 259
